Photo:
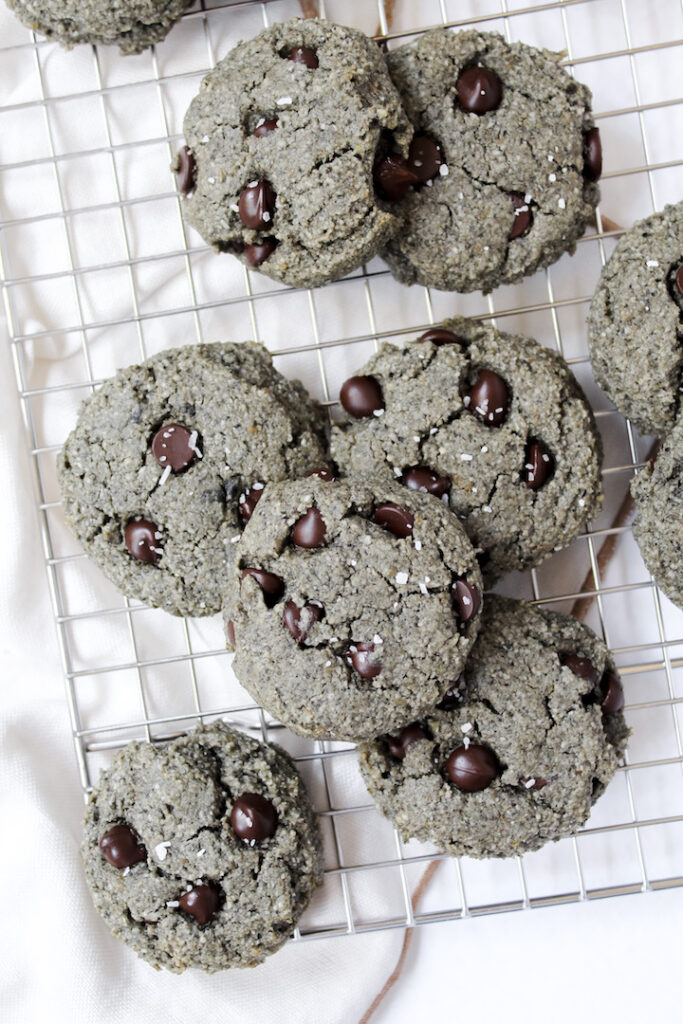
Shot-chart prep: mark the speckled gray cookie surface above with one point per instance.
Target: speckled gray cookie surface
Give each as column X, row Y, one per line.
column 132, row 25
column 351, row 605
column 283, row 136
column 520, row 753
column 658, row 526
column 513, row 193
column 169, row 457
column 493, row 423
column 635, row 323
column 203, row 852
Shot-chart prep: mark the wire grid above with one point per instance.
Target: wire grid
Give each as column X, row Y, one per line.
column 633, row 840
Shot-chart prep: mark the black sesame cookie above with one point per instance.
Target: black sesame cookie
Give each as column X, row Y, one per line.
column 281, row 143
column 635, row 324
column 507, row 157
column 132, row 25
column 494, row 424
column 517, row 751
column 203, row 852
column 168, row 460
column 658, row 527
column 351, row 606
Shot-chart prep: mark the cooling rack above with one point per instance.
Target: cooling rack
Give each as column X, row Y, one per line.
column 98, row 272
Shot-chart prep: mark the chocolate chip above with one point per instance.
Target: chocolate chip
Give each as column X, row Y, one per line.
column 424, row 158
column 324, row 472
column 472, row 768
column 121, row 847
column 592, row 155
column 422, row 478
column 580, row 666
column 230, row 630
column 273, row 586
column 393, row 177
column 439, row 336
column 253, row 818
column 479, row 90
column 291, row 619
column 201, row 902
column 489, row 398
column 258, row 252
column 522, row 217
column 304, row 55
column 248, row 500
column 142, row 539
column 613, row 691
column 175, row 445
column 452, row 698
column 265, row 127
column 466, row 600
column 539, row 464
column 395, row 519
column 359, row 657
column 310, row 530
column 186, row 170
column 533, row 782
column 398, row 745
column 361, row 396
column 257, row 205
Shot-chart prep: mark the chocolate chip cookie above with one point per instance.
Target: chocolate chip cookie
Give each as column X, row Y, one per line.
column 168, row 460
column 351, row 606
column 132, row 25
column 492, row 423
column 508, row 161
column 658, row 527
column 281, row 143
column 202, row 852
column 635, row 323
column 518, row 751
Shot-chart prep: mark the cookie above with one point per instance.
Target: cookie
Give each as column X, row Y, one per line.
column 351, row 606
column 132, row 25
column 281, row 143
column 508, row 158
column 517, row 753
column 492, row 423
column 168, row 460
column 635, row 324
column 202, row 852
column 658, row 526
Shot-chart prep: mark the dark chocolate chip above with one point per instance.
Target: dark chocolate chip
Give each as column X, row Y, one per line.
column 489, row 398
column 230, row 630
column 466, row 600
column 121, row 847
column 186, row 170
column 395, row 519
column 142, row 539
column 324, row 472
column 613, row 693
column 248, row 500
column 393, row 177
column 452, row 698
column 439, row 336
column 361, row 396
column 253, row 817
column 422, row 478
column 398, row 745
column 539, row 464
column 273, row 586
column 265, row 127
column 359, row 657
column 201, row 902
column 175, row 445
column 291, row 619
column 310, row 530
column 480, row 90
column 592, row 155
column 522, row 218
column 580, row 666
column 257, row 205
column 424, row 158
column 258, row 252
column 533, row 782
column 304, row 55
column 472, row 768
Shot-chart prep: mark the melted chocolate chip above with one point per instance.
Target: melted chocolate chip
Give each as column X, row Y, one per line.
column 253, row 817
column 265, row 127
column 140, row 537
column 398, row 745
column 393, row 177
column 291, row 619
column 580, row 666
column 201, row 902
column 480, row 90
column 452, row 698
column 395, row 519
column 361, row 396
column 248, row 501
column 533, row 782
column 466, row 600
column 324, row 472
column 422, row 478
column 613, row 693
column 310, row 530
column 489, row 398
column 304, row 55
column 424, row 158
column 175, row 445
column 359, row 657
column 439, row 336
column 230, row 630
column 258, row 252
column 472, row 768
column 539, row 464
column 121, row 847
column 522, row 216
column 186, row 170
column 256, row 205
column 273, row 586
column 592, row 155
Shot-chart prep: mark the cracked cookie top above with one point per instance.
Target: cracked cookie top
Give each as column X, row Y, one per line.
column 635, row 324
column 168, row 460
column 352, row 605
column 202, row 852
column 494, row 424
column 282, row 141
column 519, row 157
column 518, row 750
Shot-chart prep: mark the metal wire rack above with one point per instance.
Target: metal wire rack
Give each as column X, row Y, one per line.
column 97, row 272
